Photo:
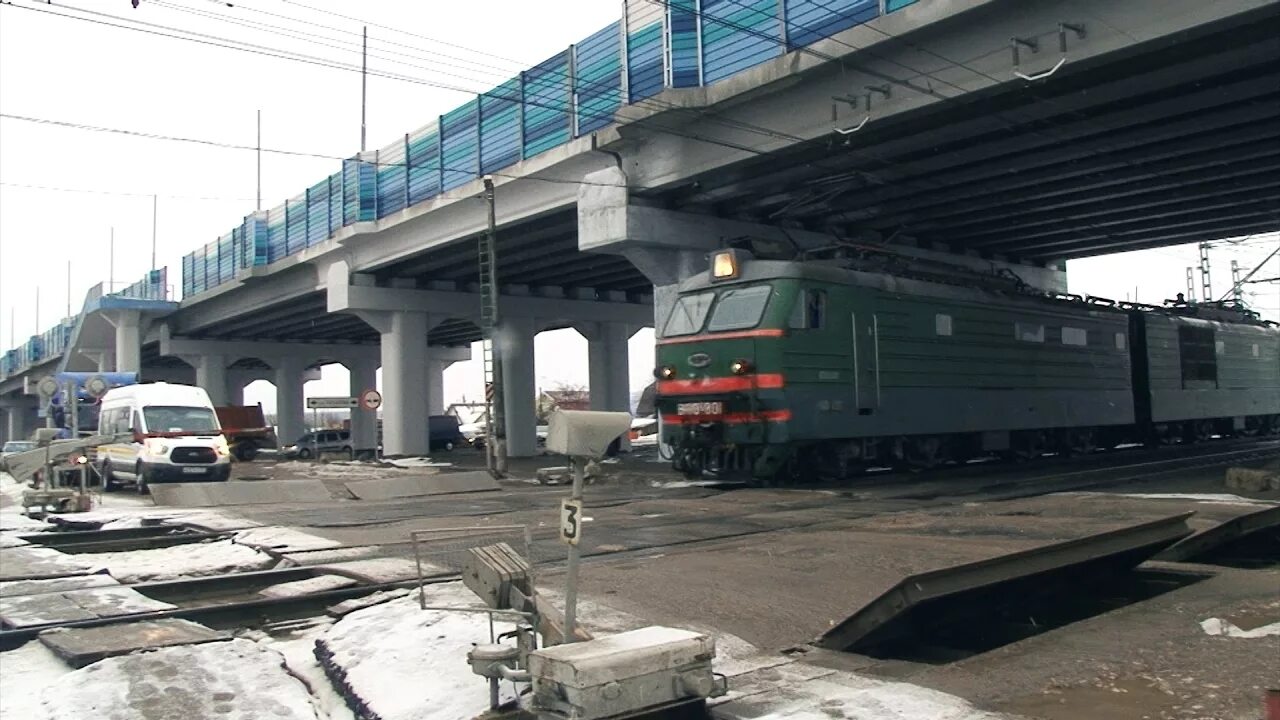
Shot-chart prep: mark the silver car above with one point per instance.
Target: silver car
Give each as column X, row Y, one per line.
column 318, row 442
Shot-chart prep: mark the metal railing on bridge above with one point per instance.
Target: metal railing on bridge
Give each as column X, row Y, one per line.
column 657, row 44
column 54, row 342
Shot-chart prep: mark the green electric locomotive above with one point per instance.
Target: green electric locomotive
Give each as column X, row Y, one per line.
column 777, row 368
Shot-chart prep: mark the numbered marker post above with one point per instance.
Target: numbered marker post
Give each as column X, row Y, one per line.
column 580, row 435
column 570, row 520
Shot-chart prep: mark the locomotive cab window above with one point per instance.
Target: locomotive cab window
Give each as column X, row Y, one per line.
column 688, row 314
column 1199, row 353
column 739, row 308
column 1029, row 332
column 1074, row 336
column 810, row 310
column 942, row 324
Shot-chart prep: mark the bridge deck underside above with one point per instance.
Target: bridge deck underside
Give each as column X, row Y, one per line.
column 1177, row 141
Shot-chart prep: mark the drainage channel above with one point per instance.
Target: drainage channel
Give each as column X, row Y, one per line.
column 121, row 540
column 225, row 601
column 946, row 615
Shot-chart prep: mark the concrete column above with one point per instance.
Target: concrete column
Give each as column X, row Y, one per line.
column 290, row 413
column 14, row 426
column 435, row 383
column 515, row 345
column 404, row 383
column 235, row 390
column 609, row 369
column 364, row 423
column 128, row 324
column 211, row 374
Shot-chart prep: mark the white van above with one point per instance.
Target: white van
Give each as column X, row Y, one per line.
column 176, row 436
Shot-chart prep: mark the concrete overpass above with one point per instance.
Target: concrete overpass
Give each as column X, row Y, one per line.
column 1017, row 133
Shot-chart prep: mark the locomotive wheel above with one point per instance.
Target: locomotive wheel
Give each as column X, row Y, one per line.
column 924, row 452
column 1079, row 442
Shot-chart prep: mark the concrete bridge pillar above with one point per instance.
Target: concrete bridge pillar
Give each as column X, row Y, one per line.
column 211, row 374
column 609, row 367
column 405, row 384
column 364, row 423
column 128, row 325
column 290, row 413
column 515, row 348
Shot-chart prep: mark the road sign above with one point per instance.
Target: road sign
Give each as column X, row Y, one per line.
column 570, row 521
column 370, row 399
column 329, row 403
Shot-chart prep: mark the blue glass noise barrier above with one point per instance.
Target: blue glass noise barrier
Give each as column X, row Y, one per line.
column 679, row 43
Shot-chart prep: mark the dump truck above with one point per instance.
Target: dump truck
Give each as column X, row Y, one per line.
column 246, row 430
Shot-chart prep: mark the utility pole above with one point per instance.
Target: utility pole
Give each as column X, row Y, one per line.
column 68, row 288
column 496, row 442
column 1191, row 285
column 364, row 82
column 1237, row 289
column 259, row 158
column 1206, row 287
column 155, row 204
column 111, row 262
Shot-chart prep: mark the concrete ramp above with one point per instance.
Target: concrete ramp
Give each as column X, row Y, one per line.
column 259, row 492
column 1262, row 525
column 422, row 485
column 1109, row 551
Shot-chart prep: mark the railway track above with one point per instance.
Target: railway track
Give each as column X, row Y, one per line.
column 878, row 495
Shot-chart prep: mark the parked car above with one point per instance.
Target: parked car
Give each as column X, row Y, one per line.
column 318, row 442
column 166, row 433
column 14, row 447
column 444, row 432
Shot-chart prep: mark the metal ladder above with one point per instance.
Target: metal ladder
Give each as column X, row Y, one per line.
column 495, row 445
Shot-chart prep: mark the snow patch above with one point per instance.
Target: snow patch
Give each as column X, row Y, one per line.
column 230, row 679
column 192, row 560
column 283, row 539
column 320, row 583
column 1219, row 498
column 419, row 462
column 395, row 661
column 28, row 670
column 299, row 652
column 1218, row 626
column 844, row 696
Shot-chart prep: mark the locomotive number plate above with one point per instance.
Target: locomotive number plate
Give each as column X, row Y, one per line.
column 700, row 408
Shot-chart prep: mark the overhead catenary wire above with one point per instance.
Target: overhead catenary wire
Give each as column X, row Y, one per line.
column 119, row 193
column 279, row 151
column 205, row 39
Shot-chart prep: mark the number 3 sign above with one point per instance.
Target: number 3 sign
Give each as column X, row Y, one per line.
column 570, row 521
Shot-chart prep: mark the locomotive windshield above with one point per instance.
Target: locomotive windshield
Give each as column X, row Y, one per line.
column 739, row 308
column 688, row 314
column 734, row 309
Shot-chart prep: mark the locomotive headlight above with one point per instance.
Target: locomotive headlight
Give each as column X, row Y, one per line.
column 740, row 367
column 724, row 265
column 665, row 372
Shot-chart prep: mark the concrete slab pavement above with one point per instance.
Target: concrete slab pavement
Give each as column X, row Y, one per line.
column 422, row 485
column 82, row 646
column 259, row 492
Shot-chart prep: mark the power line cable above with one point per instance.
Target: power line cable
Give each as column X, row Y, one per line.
column 277, row 151
column 520, row 63
column 325, row 41
column 324, row 62
column 92, row 191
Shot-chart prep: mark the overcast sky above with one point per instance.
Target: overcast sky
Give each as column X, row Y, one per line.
column 86, row 72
